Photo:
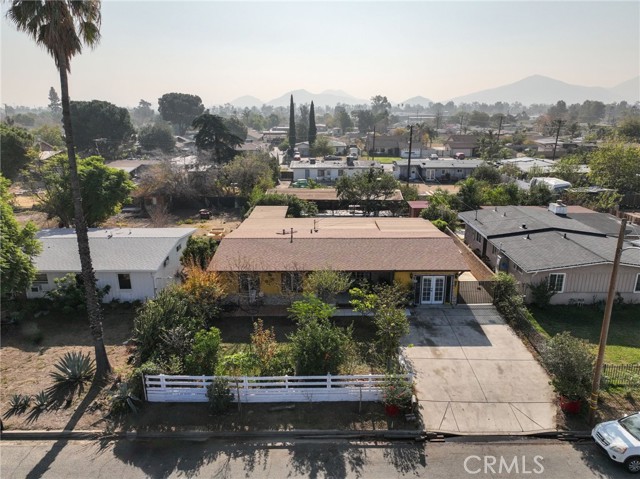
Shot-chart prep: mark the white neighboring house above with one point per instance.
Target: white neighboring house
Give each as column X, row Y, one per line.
column 322, row 170
column 135, row 262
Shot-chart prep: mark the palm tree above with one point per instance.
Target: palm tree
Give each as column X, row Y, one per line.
column 62, row 27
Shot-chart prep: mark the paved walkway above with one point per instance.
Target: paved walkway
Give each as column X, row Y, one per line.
column 474, row 375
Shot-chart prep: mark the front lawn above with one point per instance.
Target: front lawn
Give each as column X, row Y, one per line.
column 623, row 345
column 383, row 159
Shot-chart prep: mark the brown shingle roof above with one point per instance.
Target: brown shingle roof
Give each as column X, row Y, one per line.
column 263, row 243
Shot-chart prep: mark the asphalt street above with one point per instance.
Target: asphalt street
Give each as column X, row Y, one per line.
column 531, row 458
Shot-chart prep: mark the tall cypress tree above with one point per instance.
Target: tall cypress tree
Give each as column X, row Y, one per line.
column 292, row 127
column 313, row 131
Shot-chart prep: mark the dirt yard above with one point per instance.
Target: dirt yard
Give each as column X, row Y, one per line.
column 30, row 349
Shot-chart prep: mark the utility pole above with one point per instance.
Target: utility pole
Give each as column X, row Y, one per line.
column 373, row 149
column 555, row 145
column 410, row 146
column 500, row 127
column 604, row 332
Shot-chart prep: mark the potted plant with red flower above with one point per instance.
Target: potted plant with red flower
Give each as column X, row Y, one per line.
column 397, row 391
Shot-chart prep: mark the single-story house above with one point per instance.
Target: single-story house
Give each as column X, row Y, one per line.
column 525, row 164
column 135, row 262
column 268, row 255
column 323, row 170
column 466, row 144
column 571, row 248
column 326, row 199
column 384, row 145
column 339, row 147
column 435, row 170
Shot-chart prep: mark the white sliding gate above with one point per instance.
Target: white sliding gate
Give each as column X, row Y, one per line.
column 164, row 388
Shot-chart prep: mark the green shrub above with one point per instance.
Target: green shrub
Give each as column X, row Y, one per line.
column 318, row 347
column 310, row 308
column 203, row 358
column 239, row 364
column 325, row 284
column 69, row 295
column 541, row 293
column 219, row 395
column 397, row 391
column 41, row 401
column 440, row 224
column 199, row 251
column 570, row 361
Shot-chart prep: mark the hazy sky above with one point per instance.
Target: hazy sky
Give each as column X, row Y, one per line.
column 224, row 50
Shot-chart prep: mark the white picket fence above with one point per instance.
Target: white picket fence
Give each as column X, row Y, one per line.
column 165, row 388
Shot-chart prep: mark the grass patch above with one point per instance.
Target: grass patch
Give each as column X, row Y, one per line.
column 383, row 159
column 623, row 345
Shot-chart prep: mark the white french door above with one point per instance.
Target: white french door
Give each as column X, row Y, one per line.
column 432, row 290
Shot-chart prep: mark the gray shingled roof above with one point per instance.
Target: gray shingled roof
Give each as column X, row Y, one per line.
column 122, row 249
column 553, row 250
column 508, row 220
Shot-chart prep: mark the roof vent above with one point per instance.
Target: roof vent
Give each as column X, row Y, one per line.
column 527, row 237
column 558, row 208
column 564, row 236
column 504, row 214
column 524, row 227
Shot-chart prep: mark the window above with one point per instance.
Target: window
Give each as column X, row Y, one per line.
column 248, row 282
column 637, row 288
column 124, row 280
column 307, row 173
column 494, row 250
column 179, row 247
column 320, row 172
column 340, row 172
column 556, row 282
column 291, row 282
column 478, row 237
column 41, row 278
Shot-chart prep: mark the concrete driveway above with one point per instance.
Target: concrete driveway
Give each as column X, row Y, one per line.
column 474, row 375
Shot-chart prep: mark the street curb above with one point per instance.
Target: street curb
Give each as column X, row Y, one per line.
column 405, row 435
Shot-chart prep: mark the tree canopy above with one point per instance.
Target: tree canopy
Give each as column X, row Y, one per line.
column 14, row 145
column 248, row 170
column 103, row 189
column 157, row 136
column 214, row 136
column 17, row 248
column 616, row 165
column 367, row 189
column 100, row 126
column 180, row 109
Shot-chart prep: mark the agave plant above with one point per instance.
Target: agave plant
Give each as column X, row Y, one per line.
column 74, row 370
column 41, row 401
column 18, row 404
column 124, row 398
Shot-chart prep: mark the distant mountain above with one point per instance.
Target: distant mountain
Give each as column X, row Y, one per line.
column 247, row 101
column 628, row 91
column 418, row 100
column 327, row 97
column 541, row 89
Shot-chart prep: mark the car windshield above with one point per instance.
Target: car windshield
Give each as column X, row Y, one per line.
column 632, row 425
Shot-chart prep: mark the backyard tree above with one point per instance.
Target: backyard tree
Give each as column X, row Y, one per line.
column 17, row 248
column 103, row 189
column 51, row 134
column 157, row 136
column 180, row 109
column 321, row 147
column 297, row 207
column 142, row 113
column 199, row 251
column 214, row 136
column 101, row 127
column 54, row 102
column 342, row 118
column 62, row 28
column 14, row 145
column 367, row 189
column 313, row 130
column 629, row 128
column 248, row 170
column 292, row 126
column 616, row 165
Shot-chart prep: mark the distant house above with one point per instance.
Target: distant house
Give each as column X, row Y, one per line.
column 326, row 199
column 435, row 170
column 269, row 255
column 323, row 170
column 571, row 248
column 384, row 145
column 135, row 262
column 465, row 144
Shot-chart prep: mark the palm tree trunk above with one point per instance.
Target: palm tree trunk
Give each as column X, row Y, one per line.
column 94, row 310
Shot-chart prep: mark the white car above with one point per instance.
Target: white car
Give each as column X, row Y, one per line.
column 621, row 440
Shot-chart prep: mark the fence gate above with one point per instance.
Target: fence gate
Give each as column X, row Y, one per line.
column 475, row 292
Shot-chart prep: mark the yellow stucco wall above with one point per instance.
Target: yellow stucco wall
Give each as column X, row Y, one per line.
column 270, row 283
